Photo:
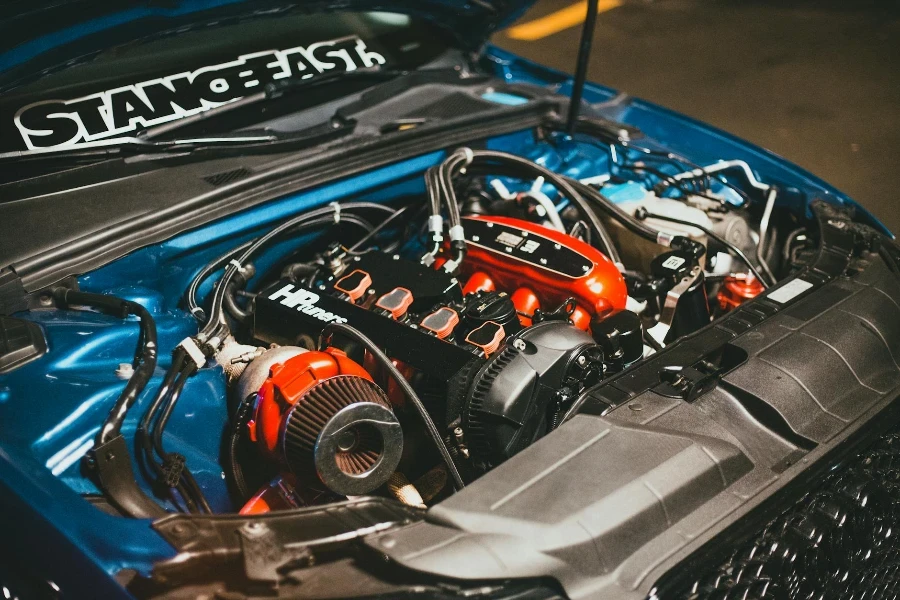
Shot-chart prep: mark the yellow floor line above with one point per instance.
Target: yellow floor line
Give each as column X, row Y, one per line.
column 557, row 21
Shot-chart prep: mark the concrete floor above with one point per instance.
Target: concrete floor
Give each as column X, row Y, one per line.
column 818, row 82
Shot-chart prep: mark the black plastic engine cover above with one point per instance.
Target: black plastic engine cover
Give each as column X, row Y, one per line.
column 638, row 484
column 508, row 403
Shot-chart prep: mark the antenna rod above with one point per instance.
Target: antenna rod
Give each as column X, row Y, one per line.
column 584, row 57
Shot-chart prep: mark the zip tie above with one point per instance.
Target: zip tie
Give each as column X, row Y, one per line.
column 470, row 156
column 501, row 189
column 198, row 312
column 236, row 264
column 337, row 211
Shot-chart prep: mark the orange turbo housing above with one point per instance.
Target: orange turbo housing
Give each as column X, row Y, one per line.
column 540, row 267
column 287, row 383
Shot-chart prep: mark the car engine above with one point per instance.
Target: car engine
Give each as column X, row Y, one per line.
column 405, row 342
column 495, row 369
column 449, row 336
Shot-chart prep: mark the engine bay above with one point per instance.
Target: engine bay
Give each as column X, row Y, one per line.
column 399, row 335
column 405, row 346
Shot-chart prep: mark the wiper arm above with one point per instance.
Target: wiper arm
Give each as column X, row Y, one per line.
column 138, row 145
column 117, row 147
column 144, row 142
column 271, row 91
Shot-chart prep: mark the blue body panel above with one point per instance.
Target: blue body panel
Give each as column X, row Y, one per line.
column 50, row 409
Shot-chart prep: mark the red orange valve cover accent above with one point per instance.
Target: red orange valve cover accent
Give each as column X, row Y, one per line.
column 526, row 302
column 512, row 253
column 441, row 322
column 737, row 289
column 396, row 302
column 355, row 284
column 478, row 282
column 488, row 337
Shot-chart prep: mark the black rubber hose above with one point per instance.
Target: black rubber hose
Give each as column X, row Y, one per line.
column 606, row 241
column 110, row 454
column 194, row 491
column 191, row 295
column 189, row 503
column 238, row 429
column 231, row 305
column 299, row 271
column 610, row 208
column 190, row 488
column 144, row 428
column 145, row 363
column 399, row 212
column 163, row 420
column 408, row 391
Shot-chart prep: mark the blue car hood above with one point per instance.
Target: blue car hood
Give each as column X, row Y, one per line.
column 40, row 36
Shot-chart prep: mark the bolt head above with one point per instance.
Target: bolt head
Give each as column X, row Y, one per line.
column 255, row 528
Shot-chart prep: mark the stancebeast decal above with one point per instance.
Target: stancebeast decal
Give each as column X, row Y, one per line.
column 52, row 123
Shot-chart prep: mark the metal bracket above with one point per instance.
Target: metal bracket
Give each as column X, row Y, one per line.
column 667, row 315
column 264, row 555
column 266, row 543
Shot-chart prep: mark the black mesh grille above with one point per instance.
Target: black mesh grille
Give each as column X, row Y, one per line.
column 227, row 177
column 840, row 541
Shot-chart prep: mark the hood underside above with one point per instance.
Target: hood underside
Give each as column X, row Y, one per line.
column 41, row 37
